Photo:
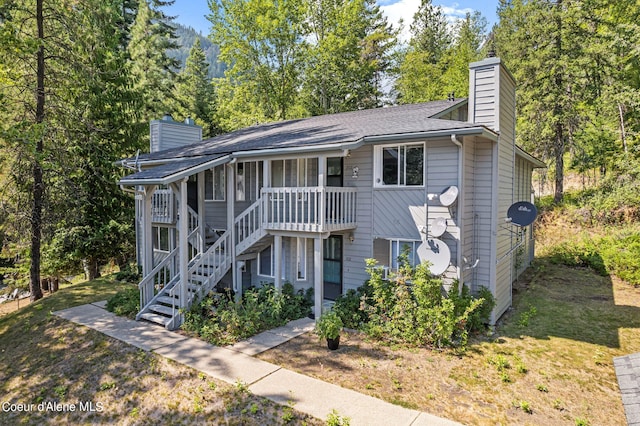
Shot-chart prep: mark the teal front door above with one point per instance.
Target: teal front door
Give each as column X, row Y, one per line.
column 332, row 267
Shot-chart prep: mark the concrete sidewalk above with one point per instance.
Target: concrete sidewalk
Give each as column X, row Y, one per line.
column 233, row 363
column 628, row 374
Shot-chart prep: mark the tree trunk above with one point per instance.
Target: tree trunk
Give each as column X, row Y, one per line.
column 91, row 269
column 558, row 146
column 38, row 183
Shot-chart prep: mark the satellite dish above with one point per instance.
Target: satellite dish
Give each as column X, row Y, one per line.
column 522, row 213
column 437, row 253
column 449, row 196
column 438, row 226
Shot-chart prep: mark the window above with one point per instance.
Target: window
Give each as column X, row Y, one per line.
column 160, row 238
column 302, row 258
column 240, row 181
column 214, row 184
column 399, row 247
column 302, row 172
column 400, row 165
column 265, row 262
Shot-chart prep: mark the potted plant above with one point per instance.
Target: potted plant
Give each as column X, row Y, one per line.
column 329, row 327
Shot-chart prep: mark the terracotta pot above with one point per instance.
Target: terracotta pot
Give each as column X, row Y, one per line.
column 333, row 343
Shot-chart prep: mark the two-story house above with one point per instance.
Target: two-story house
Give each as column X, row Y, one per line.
column 307, row 201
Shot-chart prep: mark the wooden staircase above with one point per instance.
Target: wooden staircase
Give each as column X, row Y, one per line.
column 160, row 290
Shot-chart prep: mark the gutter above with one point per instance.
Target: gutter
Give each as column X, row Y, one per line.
column 176, row 176
column 469, row 131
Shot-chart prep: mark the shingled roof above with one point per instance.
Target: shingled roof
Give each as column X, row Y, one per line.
column 323, row 130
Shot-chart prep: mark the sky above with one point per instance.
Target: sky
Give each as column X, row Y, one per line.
column 192, row 12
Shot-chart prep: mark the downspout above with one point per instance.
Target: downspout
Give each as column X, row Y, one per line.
column 460, row 211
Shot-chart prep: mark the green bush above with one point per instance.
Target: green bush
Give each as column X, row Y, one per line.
column 617, row 254
column 129, row 273
column 347, row 306
column 220, row 320
column 413, row 308
column 125, row 303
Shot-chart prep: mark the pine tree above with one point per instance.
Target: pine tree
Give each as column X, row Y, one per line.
column 194, row 92
column 152, row 70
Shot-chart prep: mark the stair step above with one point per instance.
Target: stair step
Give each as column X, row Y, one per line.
column 158, row 319
column 167, row 300
column 162, row 309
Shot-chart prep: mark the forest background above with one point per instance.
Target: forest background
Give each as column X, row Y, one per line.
column 81, row 79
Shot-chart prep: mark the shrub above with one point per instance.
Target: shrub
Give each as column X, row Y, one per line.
column 220, row 320
column 129, row 273
column 329, row 325
column 347, row 306
column 412, row 308
column 125, row 303
column 617, row 254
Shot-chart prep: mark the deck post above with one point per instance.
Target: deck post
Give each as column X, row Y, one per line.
column 277, row 259
column 183, row 229
column 147, row 231
column 318, row 277
column 201, row 212
column 231, row 216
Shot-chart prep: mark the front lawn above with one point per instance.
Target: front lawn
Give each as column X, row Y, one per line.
column 548, row 362
column 47, row 360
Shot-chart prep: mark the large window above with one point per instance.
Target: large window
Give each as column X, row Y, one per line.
column 400, row 165
column 214, row 184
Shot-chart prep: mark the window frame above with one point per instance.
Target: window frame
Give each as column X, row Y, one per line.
column 271, row 266
column 212, row 173
column 393, row 263
column 301, row 258
column 401, row 178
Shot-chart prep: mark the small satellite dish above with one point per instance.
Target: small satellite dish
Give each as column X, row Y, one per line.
column 438, row 226
column 437, row 253
column 449, row 196
column 522, row 213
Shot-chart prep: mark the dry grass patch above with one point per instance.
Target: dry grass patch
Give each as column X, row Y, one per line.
column 549, row 361
column 45, row 359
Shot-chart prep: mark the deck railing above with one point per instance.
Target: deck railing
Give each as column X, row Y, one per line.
column 310, row 209
column 160, row 277
column 163, row 206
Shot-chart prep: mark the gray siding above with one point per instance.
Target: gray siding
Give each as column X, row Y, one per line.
column 468, row 190
column 353, row 268
column 482, row 238
column 506, row 180
column 172, row 134
column 482, row 100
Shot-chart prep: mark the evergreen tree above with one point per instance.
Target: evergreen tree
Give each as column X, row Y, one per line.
column 194, row 92
column 152, row 70
column 436, row 63
column 544, row 44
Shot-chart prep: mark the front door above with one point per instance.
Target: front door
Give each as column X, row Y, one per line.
column 332, row 267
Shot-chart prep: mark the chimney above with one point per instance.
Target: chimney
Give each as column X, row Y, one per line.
column 167, row 133
column 492, row 96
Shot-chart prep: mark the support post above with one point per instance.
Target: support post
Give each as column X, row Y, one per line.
column 231, row 197
column 277, row 258
column 201, row 212
column 322, row 183
column 147, row 231
column 318, row 277
column 183, row 229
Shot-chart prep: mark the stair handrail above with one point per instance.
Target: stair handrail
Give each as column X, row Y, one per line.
column 224, row 254
column 249, row 223
column 146, row 284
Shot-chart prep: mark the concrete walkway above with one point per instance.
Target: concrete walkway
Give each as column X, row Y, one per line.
column 233, row 363
column 628, row 373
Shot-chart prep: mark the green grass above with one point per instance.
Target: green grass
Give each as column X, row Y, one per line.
column 44, row 358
